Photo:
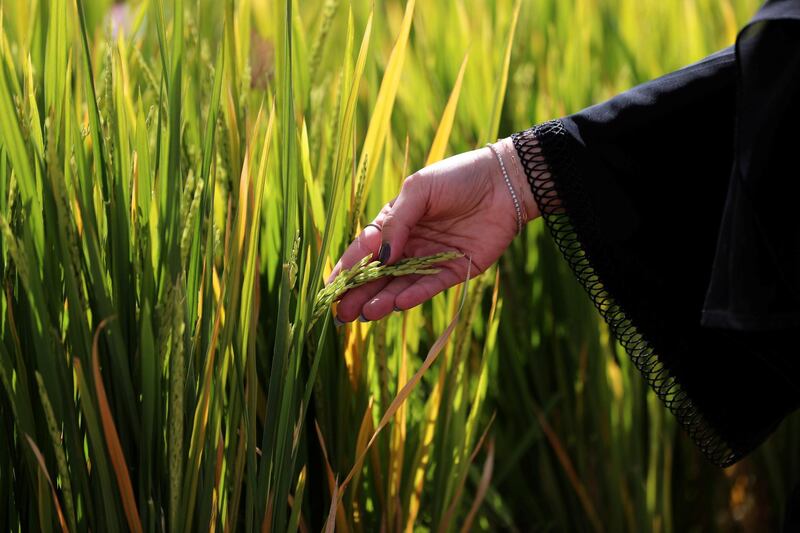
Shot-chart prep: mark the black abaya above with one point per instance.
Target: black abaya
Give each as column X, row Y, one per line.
column 674, row 204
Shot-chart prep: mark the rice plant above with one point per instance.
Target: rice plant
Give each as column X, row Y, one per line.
column 177, row 178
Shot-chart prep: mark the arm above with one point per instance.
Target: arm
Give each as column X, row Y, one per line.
column 635, row 192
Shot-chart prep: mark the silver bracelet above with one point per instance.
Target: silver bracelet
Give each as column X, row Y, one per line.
column 517, row 207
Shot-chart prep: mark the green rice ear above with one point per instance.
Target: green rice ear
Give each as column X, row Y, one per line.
column 365, row 271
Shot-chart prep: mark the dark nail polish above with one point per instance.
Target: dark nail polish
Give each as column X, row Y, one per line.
column 384, row 253
column 337, row 322
column 362, row 318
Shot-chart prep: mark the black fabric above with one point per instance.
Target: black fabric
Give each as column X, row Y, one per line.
column 791, row 522
column 755, row 281
column 673, row 203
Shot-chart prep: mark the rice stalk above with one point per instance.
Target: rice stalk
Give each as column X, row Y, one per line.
column 61, row 458
column 328, row 12
column 177, row 382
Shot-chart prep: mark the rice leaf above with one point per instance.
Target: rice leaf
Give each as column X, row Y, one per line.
column 112, row 438
column 382, row 112
column 40, row 458
column 439, row 144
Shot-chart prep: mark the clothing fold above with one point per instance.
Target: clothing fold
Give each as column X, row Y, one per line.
column 755, row 277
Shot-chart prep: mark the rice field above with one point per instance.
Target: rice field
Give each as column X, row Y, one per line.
column 177, row 179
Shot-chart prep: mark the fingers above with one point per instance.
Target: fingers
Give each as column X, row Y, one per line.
column 351, row 304
column 367, row 242
column 398, row 294
column 383, row 303
column 425, row 288
column 402, row 216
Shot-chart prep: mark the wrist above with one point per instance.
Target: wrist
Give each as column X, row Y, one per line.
column 519, row 180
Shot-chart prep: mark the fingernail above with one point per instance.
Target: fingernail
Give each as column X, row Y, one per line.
column 337, row 322
column 384, row 253
column 362, row 318
column 397, row 309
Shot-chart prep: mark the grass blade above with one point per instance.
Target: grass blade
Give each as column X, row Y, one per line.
column 502, row 80
column 439, row 145
column 382, row 112
column 40, row 458
column 112, row 438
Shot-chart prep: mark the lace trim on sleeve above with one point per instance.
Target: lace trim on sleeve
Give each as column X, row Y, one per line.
column 552, row 175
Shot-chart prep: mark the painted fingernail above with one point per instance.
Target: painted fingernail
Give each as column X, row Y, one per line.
column 362, row 318
column 337, row 322
column 384, row 253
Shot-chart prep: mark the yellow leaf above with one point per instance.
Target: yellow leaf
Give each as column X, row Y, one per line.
column 439, row 146
column 382, row 114
column 502, row 82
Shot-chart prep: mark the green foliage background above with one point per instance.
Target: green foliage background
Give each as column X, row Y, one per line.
column 176, row 179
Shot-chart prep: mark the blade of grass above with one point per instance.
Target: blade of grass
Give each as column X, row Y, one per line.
column 337, row 517
column 61, row 459
column 40, row 458
column 112, row 438
column 483, row 486
column 382, row 112
column 569, row 469
column 439, row 144
column 297, row 501
column 448, row 517
column 502, row 80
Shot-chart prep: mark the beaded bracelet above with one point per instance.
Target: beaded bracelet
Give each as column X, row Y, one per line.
column 517, row 207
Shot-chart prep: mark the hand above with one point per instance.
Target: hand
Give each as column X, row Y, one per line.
column 460, row 203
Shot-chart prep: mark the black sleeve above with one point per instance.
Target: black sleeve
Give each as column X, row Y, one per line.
column 637, row 194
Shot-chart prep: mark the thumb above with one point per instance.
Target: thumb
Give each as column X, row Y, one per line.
column 409, row 207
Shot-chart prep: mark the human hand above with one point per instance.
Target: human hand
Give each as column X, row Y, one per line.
column 460, row 203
